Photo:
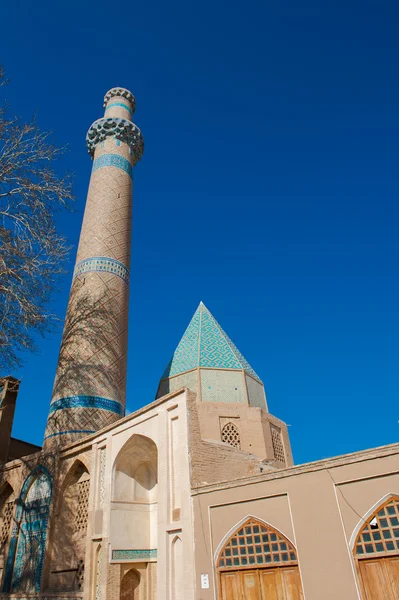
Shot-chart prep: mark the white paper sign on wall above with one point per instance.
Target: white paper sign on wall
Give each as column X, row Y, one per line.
column 205, row 581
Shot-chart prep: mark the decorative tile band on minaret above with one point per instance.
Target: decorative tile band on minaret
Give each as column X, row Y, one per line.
column 90, row 383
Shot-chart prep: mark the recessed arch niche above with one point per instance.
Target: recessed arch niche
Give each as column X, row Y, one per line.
column 134, row 495
column 69, row 538
column 130, row 585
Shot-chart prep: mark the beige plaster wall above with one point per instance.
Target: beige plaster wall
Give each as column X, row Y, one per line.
column 317, row 506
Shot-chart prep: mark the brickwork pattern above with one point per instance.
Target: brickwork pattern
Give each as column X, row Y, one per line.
column 94, row 348
column 212, row 463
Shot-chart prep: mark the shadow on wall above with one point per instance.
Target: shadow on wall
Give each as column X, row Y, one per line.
column 92, row 355
column 69, row 532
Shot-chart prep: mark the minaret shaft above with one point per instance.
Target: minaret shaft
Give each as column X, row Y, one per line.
column 90, row 384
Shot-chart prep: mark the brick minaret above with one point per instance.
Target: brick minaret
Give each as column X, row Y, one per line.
column 90, row 383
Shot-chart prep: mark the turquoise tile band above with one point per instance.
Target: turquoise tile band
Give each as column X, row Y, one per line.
column 113, row 160
column 71, row 431
column 102, row 263
column 133, row 554
column 87, row 402
column 121, row 105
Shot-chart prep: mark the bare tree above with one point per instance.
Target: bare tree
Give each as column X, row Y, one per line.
column 32, row 250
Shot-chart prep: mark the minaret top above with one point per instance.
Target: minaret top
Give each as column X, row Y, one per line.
column 118, row 92
column 117, row 123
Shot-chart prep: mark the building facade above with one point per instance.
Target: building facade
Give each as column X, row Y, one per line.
column 194, row 496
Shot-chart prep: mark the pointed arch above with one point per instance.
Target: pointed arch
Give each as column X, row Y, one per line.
column 75, row 471
column 27, row 546
column 130, row 585
column 135, row 472
column 377, row 535
column 254, row 543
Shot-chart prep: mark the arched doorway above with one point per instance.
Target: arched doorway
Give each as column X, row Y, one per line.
column 376, row 552
column 258, row 563
column 130, row 585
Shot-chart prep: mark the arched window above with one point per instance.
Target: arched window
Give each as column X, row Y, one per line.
column 26, row 554
column 256, row 544
column 259, row 557
column 130, row 585
column 380, row 534
column 231, row 435
column 376, row 551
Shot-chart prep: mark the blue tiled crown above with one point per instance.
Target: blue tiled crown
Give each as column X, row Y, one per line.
column 205, row 344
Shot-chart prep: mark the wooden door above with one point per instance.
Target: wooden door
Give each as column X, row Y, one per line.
column 230, row 586
column 392, row 565
column 291, row 583
column 380, row 578
column 270, row 585
column 283, row 583
column 250, row 585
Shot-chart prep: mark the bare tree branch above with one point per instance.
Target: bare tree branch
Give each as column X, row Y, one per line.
column 32, row 250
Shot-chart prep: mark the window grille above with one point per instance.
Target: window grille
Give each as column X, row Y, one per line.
column 83, row 505
column 257, row 545
column 380, row 534
column 231, row 435
column 278, row 447
column 8, row 510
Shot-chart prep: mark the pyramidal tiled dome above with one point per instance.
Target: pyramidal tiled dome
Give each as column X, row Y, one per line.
column 205, row 344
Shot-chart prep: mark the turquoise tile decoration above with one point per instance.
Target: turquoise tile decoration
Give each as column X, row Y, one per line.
column 102, row 263
column 205, row 344
column 112, row 160
column 26, row 553
column 133, row 554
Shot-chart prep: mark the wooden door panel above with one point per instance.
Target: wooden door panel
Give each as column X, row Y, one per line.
column 250, row 585
column 375, row 581
column 291, row 583
column 392, row 574
column 230, row 586
column 270, row 585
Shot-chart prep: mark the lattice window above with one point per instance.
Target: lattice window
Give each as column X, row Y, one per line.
column 256, row 544
column 277, row 442
column 8, row 510
column 380, row 534
column 231, row 435
column 83, row 505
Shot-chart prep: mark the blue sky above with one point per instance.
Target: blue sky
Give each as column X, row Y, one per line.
column 268, row 189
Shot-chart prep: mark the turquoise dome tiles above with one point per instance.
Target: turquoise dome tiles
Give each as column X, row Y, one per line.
column 205, row 344
column 185, row 356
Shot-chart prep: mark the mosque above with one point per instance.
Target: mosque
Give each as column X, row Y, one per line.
column 194, row 496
